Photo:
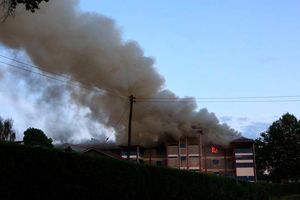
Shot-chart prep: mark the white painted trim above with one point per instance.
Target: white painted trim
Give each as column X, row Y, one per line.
column 183, row 167
column 244, row 161
column 244, row 154
column 193, row 167
column 131, row 156
column 194, row 154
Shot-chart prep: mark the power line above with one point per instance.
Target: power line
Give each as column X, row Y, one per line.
column 53, row 76
column 33, row 66
column 250, row 101
column 219, row 98
column 36, row 72
column 66, row 80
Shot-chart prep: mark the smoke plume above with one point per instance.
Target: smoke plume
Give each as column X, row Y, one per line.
column 88, row 48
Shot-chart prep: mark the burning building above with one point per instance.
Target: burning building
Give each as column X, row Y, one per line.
column 236, row 160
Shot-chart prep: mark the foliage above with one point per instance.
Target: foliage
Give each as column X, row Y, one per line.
column 9, row 6
column 36, row 137
column 278, row 150
column 6, row 131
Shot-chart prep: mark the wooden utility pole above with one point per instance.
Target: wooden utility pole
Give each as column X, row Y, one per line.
column 131, row 101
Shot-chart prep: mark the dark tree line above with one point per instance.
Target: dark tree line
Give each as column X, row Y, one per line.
column 278, row 150
column 9, row 6
column 31, row 5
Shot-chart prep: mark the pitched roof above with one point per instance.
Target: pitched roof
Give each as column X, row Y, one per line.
column 74, row 147
column 108, row 154
column 242, row 140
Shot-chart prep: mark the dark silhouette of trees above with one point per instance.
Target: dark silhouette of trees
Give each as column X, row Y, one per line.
column 6, row 131
column 36, row 137
column 278, row 150
column 9, row 6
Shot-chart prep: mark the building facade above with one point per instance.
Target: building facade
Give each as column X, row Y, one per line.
column 237, row 160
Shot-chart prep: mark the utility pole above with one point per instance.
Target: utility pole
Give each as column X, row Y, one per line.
column 131, row 101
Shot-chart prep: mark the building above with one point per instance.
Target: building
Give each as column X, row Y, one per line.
column 237, row 160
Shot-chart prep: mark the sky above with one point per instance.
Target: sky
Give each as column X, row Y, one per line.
column 219, row 49
column 211, row 48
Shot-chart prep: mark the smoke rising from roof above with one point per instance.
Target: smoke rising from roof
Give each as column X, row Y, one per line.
column 88, row 48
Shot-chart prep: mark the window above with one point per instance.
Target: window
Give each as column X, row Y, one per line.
column 215, row 162
column 182, row 158
column 244, row 157
column 241, row 165
column 243, row 150
column 141, row 151
column 246, row 178
column 182, row 145
column 214, row 149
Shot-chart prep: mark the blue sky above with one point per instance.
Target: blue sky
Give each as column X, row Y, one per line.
column 208, row 48
column 219, row 49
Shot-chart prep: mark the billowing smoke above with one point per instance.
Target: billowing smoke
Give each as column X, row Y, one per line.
column 88, row 48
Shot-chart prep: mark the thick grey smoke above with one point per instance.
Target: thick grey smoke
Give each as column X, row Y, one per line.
column 88, row 48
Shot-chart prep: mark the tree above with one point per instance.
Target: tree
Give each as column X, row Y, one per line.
column 278, row 150
column 9, row 6
column 36, row 137
column 6, row 131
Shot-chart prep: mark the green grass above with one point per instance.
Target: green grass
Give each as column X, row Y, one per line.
column 50, row 174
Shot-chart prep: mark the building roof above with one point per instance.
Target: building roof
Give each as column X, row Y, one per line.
column 242, row 140
column 103, row 153
column 74, row 147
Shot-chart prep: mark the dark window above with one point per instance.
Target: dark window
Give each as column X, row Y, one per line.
column 182, row 145
column 183, row 158
column 194, row 156
column 215, row 162
column 245, row 178
column 243, row 150
column 160, row 150
column 244, row 165
column 141, row 151
column 247, row 157
column 217, row 173
column 132, row 153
